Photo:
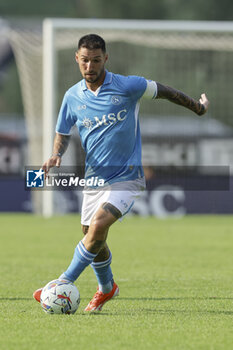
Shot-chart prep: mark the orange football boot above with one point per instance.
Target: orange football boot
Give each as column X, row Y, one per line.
column 99, row 299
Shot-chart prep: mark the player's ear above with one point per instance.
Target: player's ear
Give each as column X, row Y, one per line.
column 76, row 56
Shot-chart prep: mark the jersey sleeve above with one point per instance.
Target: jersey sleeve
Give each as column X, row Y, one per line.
column 136, row 86
column 65, row 119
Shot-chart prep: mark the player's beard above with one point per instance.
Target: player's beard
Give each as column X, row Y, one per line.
column 93, row 78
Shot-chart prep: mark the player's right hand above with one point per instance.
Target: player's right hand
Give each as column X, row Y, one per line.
column 50, row 163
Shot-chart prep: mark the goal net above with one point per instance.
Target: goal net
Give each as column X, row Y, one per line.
column 194, row 57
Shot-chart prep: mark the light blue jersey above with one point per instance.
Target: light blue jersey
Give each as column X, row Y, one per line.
column 108, row 125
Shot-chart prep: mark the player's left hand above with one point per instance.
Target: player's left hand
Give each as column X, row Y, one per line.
column 204, row 104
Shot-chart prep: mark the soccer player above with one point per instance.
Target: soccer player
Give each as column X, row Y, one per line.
column 104, row 106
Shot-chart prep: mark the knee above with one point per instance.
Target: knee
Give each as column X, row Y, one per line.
column 98, row 230
column 95, row 239
column 98, row 226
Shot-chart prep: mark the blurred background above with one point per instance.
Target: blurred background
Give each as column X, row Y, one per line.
column 190, row 54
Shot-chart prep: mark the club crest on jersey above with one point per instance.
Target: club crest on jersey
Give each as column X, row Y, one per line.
column 116, row 100
column 87, row 123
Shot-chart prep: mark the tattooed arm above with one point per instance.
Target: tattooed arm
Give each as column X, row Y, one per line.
column 59, row 147
column 178, row 97
column 60, row 144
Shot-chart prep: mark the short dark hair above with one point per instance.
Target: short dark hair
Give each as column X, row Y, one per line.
column 92, row 42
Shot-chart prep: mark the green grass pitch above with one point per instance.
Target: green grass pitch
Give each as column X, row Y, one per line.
column 175, row 278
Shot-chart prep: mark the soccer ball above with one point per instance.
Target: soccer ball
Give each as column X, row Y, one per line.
column 60, row 297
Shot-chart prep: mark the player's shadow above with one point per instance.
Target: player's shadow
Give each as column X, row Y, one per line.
column 169, row 311
column 159, row 312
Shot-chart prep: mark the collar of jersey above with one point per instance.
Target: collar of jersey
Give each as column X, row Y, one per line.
column 107, row 80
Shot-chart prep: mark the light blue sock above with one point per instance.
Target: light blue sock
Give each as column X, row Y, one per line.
column 81, row 259
column 104, row 274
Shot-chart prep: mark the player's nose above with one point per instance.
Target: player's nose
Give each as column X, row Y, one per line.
column 89, row 66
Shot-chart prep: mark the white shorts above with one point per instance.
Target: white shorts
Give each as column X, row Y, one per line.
column 120, row 194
